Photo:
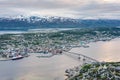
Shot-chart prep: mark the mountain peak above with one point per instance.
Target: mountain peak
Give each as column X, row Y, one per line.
column 32, row 22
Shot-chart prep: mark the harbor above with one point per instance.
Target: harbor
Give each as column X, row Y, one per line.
column 53, row 68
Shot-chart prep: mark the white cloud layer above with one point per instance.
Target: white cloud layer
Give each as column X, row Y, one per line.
column 66, row 8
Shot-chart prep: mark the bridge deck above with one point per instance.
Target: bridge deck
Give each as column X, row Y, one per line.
column 86, row 57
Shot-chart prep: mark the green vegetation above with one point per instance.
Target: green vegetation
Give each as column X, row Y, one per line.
column 59, row 39
column 99, row 71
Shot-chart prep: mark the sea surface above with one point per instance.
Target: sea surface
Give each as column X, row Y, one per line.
column 11, row 32
column 40, row 30
column 102, row 51
column 34, row 68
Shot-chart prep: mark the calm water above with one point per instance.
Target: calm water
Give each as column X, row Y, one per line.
column 102, row 51
column 33, row 68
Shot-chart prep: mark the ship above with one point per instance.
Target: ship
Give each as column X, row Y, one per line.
column 17, row 57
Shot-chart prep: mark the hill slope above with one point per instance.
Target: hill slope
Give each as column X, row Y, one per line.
column 33, row 22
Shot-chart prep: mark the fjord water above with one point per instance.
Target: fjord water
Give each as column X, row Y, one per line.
column 33, row 68
column 102, row 51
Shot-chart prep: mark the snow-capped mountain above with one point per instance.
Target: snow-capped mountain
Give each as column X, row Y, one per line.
column 25, row 23
column 33, row 19
column 33, row 22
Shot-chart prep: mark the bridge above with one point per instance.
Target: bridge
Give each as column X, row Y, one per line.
column 80, row 57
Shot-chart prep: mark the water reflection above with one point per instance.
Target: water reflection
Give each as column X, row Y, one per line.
column 102, row 51
column 33, row 68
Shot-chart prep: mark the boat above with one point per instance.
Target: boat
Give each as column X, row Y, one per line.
column 17, row 57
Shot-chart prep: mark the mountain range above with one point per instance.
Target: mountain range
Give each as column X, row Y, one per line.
column 35, row 22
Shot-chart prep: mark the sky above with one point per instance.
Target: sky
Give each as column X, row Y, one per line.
column 85, row 9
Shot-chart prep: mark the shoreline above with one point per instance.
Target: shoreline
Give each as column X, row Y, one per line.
column 100, row 70
column 38, row 30
column 73, row 73
column 93, row 44
column 6, row 59
column 11, row 32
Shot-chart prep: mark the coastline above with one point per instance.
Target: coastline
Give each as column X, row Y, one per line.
column 91, row 51
column 87, row 42
column 5, row 59
column 11, row 32
column 102, row 71
column 75, row 73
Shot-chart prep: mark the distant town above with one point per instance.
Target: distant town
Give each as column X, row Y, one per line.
column 54, row 42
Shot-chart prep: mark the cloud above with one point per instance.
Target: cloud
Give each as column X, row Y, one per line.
column 67, row 8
